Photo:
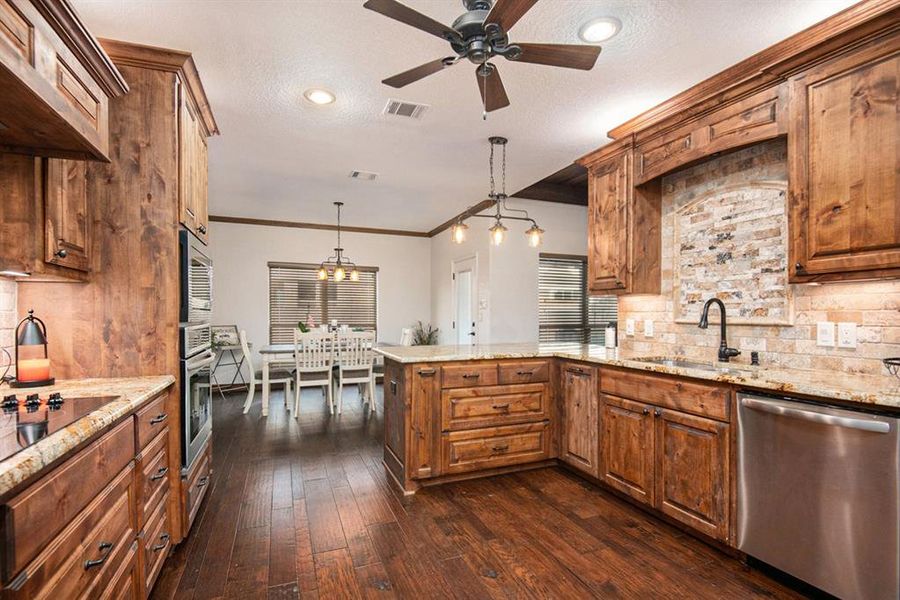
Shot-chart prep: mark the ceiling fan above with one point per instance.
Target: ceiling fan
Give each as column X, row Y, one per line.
column 480, row 34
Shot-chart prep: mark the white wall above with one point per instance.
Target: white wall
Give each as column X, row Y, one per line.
column 507, row 274
column 240, row 255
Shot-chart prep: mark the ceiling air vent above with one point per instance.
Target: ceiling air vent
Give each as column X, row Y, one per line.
column 409, row 110
column 364, row 175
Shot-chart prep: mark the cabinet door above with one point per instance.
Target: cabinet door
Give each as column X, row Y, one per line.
column 423, row 449
column 201, row 186
column 67, row 221
column 692, row 471
column 627, row 440
column 188, row 128
column 580, row 429
column 844, row 151
column 609, row 186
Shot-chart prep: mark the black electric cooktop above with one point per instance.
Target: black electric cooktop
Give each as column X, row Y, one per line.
column 26, row 418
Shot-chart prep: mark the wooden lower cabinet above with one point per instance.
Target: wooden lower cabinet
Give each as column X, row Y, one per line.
column 580, row 417
column 491, row 447
column 676, row 462
column 627, row 462
column 196, row 483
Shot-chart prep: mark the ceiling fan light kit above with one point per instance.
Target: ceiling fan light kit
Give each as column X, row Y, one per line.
column 534, row 234
column 337, row 264
column 479, row 35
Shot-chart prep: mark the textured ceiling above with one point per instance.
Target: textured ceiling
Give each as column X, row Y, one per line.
column 280, row 157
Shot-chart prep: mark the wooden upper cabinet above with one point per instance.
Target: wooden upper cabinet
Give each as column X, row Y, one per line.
column 627, row 436
column 56, row 82
column 693, row 471
column 843, row 152
column 580, row 426
column 67, row 218
column 623, row 225
column 192, row 162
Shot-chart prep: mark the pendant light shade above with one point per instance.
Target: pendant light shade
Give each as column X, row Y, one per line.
column 535, row 236
column 322, row 274
column 498, row 233
column 458, row 232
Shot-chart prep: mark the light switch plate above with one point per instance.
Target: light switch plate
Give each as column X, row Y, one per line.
column 629, row 326
column 825, row 334
column 648, row 327
column 846, row 335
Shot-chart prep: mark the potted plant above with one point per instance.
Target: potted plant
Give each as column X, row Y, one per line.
column 425, row 334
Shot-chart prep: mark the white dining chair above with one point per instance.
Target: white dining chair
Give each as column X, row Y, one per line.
column 406, row 336
column 276, row 375
column 356, row 358
column 313, row 362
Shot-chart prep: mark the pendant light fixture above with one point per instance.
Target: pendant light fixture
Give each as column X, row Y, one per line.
column 336, row 266
column 534, row 234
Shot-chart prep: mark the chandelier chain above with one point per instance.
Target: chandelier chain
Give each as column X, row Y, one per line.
column 492, row 169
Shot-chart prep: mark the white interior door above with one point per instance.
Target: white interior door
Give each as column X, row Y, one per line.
column 465, row 293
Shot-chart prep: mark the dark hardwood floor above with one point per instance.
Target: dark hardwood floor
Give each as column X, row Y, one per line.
column 304, row 509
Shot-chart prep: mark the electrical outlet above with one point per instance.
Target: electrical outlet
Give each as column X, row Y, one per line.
column 648, row 327
column 825, row 334
column 846, row 335
column 629, row 326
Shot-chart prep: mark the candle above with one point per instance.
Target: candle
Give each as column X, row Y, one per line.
column 33, row 369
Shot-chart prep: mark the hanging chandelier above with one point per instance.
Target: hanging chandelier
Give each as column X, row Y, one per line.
column 534, row 234
column 337, row 264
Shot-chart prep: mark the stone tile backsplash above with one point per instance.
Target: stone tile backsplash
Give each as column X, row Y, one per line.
column 873, row 306
column 8, row 318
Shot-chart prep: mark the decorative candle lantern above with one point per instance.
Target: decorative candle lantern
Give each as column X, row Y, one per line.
column 32, row 361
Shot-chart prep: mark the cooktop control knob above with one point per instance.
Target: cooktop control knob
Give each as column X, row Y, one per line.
column 55, row 400
column 10, row 401
column 32, row 400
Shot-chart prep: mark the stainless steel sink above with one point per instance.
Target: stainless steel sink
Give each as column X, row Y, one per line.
column 691, row 364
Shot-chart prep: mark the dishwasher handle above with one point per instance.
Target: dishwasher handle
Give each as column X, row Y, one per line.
column 785, row 409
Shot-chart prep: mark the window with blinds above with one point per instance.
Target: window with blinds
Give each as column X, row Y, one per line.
column 566, row 313
column 296, row 294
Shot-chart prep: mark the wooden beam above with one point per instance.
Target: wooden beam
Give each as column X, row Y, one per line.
column 324, row 226
column 555, row 192
column 472, row 210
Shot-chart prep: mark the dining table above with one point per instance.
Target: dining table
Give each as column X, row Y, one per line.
column 274, row 354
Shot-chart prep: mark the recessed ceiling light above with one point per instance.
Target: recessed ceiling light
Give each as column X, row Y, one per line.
column 319, row 96
column 599, row 30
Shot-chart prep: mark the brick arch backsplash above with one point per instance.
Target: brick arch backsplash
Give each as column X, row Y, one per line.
column 758, row 171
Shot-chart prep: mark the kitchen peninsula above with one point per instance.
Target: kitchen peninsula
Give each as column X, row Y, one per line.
column 660, row 431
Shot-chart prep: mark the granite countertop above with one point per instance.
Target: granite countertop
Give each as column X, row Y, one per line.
column 849, row 387
column 125, row 396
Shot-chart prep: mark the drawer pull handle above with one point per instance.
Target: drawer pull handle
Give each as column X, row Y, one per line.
column 426, row 372
column 203, row 481
column 164, row 541
column 502, row 448
column 524, row 373
column 103, row 547
column 160, row 473
column 159, row 418
column 504, row 407
column 471, row 375
column 393, row 386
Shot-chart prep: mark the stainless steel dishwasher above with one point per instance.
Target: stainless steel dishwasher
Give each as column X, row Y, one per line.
column 818, row 491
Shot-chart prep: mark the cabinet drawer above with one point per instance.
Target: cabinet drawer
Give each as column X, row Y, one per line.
column 687, row 395
column 469, row 375
column 40, row 512
column 476, row 449
column 153, row 475
column 85, row 558
column 151, row 420
column 156, row 545
column 468, row 408
column 125, row 584
column 196, row 484
column 531, row 371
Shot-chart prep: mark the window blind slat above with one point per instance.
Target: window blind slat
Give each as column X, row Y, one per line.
column 565, row 311
column 296, row 294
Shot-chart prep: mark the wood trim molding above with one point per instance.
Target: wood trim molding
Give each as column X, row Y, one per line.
column 554, row 192
column 824, row 39
column 323, row 226
column 484, row 204
column 65, row 22
column 165, row 59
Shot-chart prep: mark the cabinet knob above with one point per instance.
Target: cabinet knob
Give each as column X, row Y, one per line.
column 61, row 253
column 657, row 413
column 202, row 229
column 798, row 266
column 646, row 411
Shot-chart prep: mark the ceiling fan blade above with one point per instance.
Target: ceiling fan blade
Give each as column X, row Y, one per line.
column 507, row 13
column 420, row 72
column 404, row 14
column 571, row 56
column 491, row 89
